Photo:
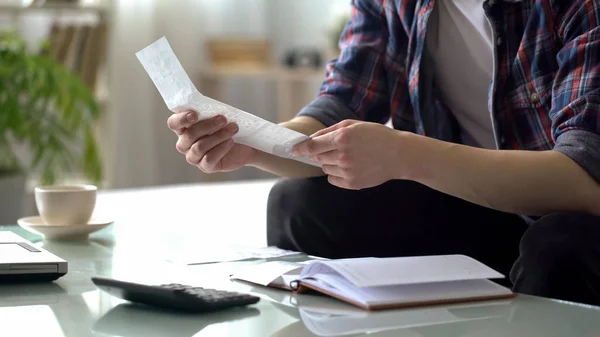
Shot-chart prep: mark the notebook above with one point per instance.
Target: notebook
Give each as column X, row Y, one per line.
column 384, row 283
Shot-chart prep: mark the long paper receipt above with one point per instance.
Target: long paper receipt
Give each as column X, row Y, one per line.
column 180, row 94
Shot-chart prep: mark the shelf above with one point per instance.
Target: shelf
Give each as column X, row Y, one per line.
column 294, row 87
column 276, row 73
column 54, row 7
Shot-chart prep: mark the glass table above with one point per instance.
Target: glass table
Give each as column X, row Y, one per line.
column 72, row 306
column 158, row 225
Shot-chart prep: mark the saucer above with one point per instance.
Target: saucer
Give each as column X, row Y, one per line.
column 34, row 224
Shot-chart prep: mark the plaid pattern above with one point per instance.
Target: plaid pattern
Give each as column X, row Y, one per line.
column 546, row 81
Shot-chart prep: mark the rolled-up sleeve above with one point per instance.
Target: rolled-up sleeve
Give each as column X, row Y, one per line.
column 576, row 93
column 582, row 147
column 355, row 82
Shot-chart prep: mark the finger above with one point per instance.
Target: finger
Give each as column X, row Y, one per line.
column 205, row 144
column 199, row 130
column 180, row 121
column 193, row 157
column 335, row 157
column 332, row 128
column 212, row 160
column 315, row 146
column 333, row 170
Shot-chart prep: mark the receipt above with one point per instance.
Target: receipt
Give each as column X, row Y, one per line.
column 180, row 94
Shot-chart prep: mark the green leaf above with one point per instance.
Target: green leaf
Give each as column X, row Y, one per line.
column 47, row 108
column 91, row 161
column 48, row 176
column 38, row 156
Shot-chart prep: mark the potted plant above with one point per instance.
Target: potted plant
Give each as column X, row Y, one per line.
column 46, row 123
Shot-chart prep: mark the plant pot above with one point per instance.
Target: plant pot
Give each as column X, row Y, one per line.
column 12, row 194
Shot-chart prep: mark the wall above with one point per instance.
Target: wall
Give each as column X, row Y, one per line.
column 144, row 147
column 139, row 150
column 301, row 23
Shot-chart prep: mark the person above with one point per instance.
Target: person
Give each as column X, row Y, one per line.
column 494, row 150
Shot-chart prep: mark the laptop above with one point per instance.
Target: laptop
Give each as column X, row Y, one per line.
column 21, row 261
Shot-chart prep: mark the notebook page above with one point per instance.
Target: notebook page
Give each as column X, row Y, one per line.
column 372, row 272
column 408, row 293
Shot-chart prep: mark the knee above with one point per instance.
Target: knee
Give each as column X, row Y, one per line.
column 284, row 198
column 556, row 242
column 289, row 201
column 559, row 258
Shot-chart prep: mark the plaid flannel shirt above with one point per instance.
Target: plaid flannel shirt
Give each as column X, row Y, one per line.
column 545, row 92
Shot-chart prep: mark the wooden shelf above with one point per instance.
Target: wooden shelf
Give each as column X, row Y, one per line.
column 272, row 73
column 292, row 91
column 54, row 7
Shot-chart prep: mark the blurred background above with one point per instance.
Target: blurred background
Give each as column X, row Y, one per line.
column 76, row 105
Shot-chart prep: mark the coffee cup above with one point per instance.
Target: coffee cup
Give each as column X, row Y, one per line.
column 65, row 205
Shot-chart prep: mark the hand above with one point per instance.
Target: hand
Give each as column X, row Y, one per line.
column 208, row 144
column 354, row 154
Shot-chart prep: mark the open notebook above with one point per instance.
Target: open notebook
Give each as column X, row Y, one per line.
column 384, row 283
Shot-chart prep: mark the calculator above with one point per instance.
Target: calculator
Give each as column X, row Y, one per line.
column 175, row 296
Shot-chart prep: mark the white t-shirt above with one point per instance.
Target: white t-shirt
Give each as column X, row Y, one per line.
column 460, row 42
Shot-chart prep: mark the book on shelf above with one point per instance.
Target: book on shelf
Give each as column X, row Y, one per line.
column 93, row 55
column 384, row 283
column 72, row 49
column 80, row 48
column 61, row 48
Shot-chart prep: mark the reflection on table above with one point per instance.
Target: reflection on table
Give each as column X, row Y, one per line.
column 131, row 320
column 523, row 316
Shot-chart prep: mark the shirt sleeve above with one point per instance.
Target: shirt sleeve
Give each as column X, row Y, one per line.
column 576, row 94
column 355, row 83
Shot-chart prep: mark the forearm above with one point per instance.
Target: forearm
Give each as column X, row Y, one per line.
column 520, row 182
column 286, row 167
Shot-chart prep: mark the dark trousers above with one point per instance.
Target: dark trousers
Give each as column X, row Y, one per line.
column 558, row 256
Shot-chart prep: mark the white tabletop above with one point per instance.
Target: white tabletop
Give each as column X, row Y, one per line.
column 234, row 212
column 153, row 223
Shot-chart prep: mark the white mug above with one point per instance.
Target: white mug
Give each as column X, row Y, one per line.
column 65, row 205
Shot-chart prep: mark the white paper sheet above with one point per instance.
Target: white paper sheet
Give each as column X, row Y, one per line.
column 180, row 94
column 274, row 272
column 230, row 254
